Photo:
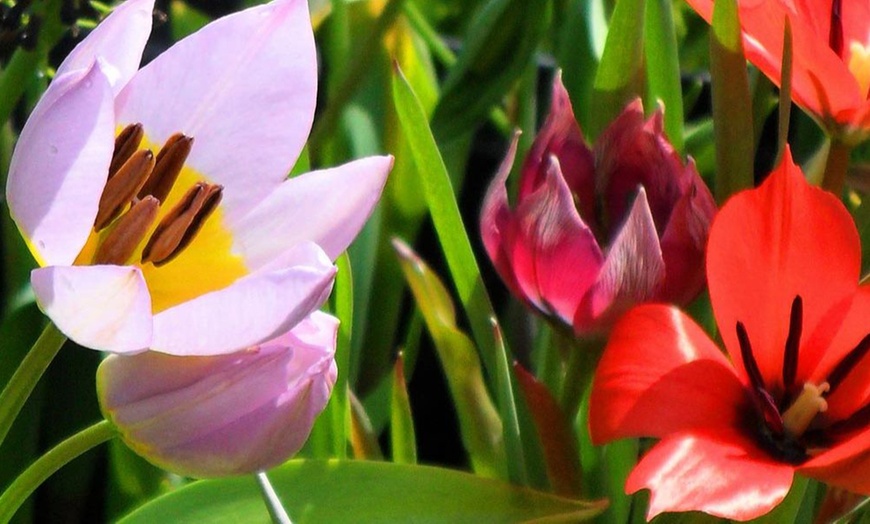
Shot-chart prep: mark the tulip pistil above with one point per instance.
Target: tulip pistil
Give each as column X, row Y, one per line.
column 859, row 66
column 803, row 410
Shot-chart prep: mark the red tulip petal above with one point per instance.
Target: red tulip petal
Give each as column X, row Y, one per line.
column 632, row 272
column 845, row 465
column 684, row 242
column 854, row 391
column 768, row 246
column 555, row 256
column 561, row 136
column 725, row 476
column 661, row 373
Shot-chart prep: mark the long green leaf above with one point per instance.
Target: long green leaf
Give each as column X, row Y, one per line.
column 362, row 492
column 479, row 422
column 402, row 438
column 663, row 67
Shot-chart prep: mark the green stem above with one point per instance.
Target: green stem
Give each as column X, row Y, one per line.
column 276, row 510
column 582, row 357
column 17, row 391
column 46, row 465
column 836, row 167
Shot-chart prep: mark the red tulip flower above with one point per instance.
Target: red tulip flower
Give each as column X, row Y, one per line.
column 831, row 55
column 792, row 394
column 596, row 231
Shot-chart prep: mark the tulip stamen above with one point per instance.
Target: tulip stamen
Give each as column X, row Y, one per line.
column 792, row 344
column 798, row 417
column 848, row 363
column 126, row 143
column 835, row 36
column 748, row 357
column 170, row 160
column 121, row 188
column 120, row 244
column 182, row 223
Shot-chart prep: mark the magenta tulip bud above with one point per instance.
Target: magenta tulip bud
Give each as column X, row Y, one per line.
column 214, row 416
column 596, row 231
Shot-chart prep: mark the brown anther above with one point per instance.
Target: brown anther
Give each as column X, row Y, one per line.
column 128, row 233
column 126, row 144
column 121, row 188
column 170, row 160
column 182, row 223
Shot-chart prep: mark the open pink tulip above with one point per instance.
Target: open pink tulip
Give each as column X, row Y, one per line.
column 216, row 416
column 155, row 200
column 595, row 231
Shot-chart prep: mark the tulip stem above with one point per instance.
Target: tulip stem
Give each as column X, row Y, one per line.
column 273, row 503
column 46, row 465
column 835, row 167
column 18, row 390
column 582, row 356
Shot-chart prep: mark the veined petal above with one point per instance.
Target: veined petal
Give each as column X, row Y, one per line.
column 250, row 311
column 101, row 307
column 684, row 241
column 768, row 246
column 632, row 272
column 496, row 220
column 228, row 414
column 118, row 41
column 326, row 207
column 60, row 166
column 244, row 88
column 723, row 475
column 554, row 254
column 560, row 136
column 661, row 374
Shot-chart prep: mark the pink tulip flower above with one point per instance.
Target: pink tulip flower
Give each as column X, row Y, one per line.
column 595, row 231
column 156, row 201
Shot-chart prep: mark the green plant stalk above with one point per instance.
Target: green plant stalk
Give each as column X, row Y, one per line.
column 17, row 391
column 46, row 465
column 273, row 504
column 582, row 357
column 836, row 166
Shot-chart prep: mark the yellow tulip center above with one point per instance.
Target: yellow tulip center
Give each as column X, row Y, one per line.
column 859, row 65
column 161, row 215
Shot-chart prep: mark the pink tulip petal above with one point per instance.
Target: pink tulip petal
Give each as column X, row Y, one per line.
column 723, row 475
column 660, row 374
column 560, row 136
column 684, row 241
column 763, row 252
column 250, row 311
column 118, row 41
column 223, row 415
column 244, row 88
column 328, row 207
column 555, row 256
column 632, row 272
column 101, row 307
column 60, row 166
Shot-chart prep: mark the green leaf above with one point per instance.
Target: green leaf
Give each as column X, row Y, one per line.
column 363, row 492
column 185, row 20
column 732, row 103
column 620, row 73
column 402, row 438
column 444, row 211
column 479, row 422
column 663, row 67
column 499, row 44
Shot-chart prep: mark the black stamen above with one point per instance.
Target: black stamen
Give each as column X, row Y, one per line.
column 835, row 37
column 842, row 369
column 792, row 344
column 748, row 358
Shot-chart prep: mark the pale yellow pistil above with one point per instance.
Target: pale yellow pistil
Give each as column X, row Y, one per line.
column 859, row 66
column 798, row 417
